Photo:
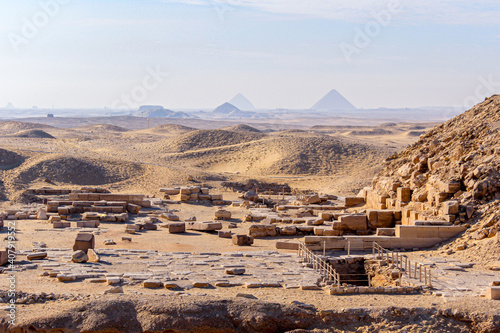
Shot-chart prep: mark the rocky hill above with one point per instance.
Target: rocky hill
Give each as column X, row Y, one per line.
column 452, row 173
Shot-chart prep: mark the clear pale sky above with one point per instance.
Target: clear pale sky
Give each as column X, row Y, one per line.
column 279, row 54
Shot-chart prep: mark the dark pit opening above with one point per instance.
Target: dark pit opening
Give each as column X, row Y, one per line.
column 351, row 270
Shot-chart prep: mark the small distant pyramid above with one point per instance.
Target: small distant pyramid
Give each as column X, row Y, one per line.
column 242, row 103
column 9, row 106
column 333, row 101
column 226, row 108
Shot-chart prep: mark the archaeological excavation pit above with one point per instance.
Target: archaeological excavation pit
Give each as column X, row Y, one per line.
column 351, row 270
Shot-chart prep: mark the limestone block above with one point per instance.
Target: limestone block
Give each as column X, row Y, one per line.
column 204, row 226
column 108, row 218
column 37, row 256
column 287, row 245
column 351, row 222
column 450, row 207
column 330, row 232
column 133, row 209
column 325, row 216
column 149, row 226
column 177, row 228
column 170, row 216
column 314, row 199
column 288, row 231
column 79, row 257
column 225, row 234
column 404, row 194
column 93, row 256
column 222, row 214
column 170, row 191
column 242, row 240
column 87, row 224
column 61, row 225
column 152, row 284
column 259, row 230
column 83, row 242
column 493, row 293
column 354, row 201
column 235, row 271
column 386, row 232
column 54, row 218
column 41, row 214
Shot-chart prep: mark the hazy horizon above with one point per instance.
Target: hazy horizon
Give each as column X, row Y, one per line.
column 197, row 54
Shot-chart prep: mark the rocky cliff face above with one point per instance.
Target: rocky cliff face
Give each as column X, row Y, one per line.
column 451, row 174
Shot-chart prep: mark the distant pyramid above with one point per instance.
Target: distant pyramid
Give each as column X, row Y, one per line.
column 333, row 101
column 226, row 108
column 242, row 103
column 9, row 106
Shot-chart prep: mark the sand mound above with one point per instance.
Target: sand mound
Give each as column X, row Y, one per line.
column 9, row 159
column 102, row 128
column 170, row 129
column 415, row 133
column 202, row 139
column 285, row 155
column 243, row 128
column 33, row 134
column 10, row 127
column 375, row 131
column 78, row 171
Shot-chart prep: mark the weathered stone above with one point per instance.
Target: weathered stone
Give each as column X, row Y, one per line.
column 41, row 214
column 113, row 280
column 259, row 230
column 200, row 284
column 404, row 194
column 287, row 245
column 66, row 277
column 450, row 207
column 152, row 284
column 133, row 208
column 170, row 216
column 353, row 201
column 60, row 225
column 251, row 196
column 225, row 234
column 351, row 222
column 204, row 226
column 235, row 271
column 288, row 231
column 114, row 290
column 171, row 285
column 121, row 217
column 93, row 256
column 37, row 255
column 176, row 228
column 222, row 214
column 149, row 226
column 109, row 242
column 313, row 199
column 242, row 240
column 54, row 218
column 79, row 257
column 83, row 242
column 493, row 293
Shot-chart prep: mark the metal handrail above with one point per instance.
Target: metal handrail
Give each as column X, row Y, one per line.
column 419, row 271
column 326, row 270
